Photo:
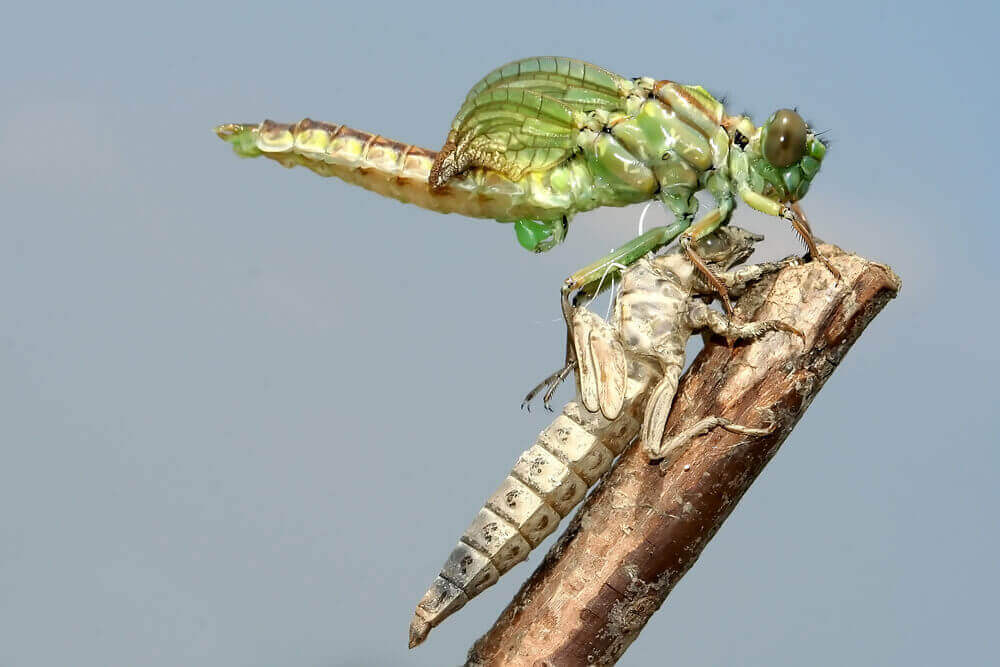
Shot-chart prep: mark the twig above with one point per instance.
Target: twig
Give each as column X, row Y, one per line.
column 641, row 530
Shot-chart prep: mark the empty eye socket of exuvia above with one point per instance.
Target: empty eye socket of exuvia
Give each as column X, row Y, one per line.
column 713, row 244
column 785, row 140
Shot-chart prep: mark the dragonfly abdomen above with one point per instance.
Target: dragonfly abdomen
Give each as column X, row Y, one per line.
column 402, row 171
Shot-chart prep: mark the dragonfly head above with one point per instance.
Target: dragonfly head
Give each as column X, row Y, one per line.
column 727, row 246
column 785, row 155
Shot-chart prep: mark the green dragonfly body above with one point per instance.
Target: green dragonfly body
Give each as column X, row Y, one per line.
column 541, row 139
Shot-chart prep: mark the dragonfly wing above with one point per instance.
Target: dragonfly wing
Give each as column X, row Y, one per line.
column 580, row 84
column 525, row 116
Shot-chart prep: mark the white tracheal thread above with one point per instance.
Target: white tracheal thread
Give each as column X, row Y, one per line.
column 600, row 283
column 611, row 299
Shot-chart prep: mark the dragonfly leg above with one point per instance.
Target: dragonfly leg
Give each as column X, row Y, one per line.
column 795, row 216
column 737, row 281
column 567, row 303
column 552, row 381
column 801, row 225
column 705, row 226
column 560, row 376
column 550, row 384
column 675, row 445
column 596, row 276
column 702, row 317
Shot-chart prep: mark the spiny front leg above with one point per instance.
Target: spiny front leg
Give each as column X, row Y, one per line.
column 794, row 216
column 801, row 226
column 700, row 229
column 719, row 186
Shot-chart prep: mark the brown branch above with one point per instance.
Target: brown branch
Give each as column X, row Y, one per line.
column 641, row 530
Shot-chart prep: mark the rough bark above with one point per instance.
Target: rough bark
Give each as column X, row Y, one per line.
column 642, row 529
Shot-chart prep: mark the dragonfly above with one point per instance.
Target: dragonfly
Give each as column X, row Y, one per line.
column 539, row 140
column 628, row 370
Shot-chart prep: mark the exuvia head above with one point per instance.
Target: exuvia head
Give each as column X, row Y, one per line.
column 784, row 154
column 727, row 246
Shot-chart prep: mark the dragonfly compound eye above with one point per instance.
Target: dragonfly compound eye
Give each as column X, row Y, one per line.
column 784, row 140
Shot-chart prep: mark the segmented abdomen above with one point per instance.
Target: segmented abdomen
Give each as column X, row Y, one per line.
column 401, row 171
column 548, row 481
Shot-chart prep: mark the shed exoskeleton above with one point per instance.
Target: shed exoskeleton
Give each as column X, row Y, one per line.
column 628, row 371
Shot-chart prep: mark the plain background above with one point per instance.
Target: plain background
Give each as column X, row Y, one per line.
column 246, row 412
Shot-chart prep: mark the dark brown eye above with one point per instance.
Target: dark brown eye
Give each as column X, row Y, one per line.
column 785, row 143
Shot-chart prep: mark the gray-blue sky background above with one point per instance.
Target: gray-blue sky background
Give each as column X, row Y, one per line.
column 245, row 412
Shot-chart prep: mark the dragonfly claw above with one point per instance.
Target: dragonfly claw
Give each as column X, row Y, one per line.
column 550, row 384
